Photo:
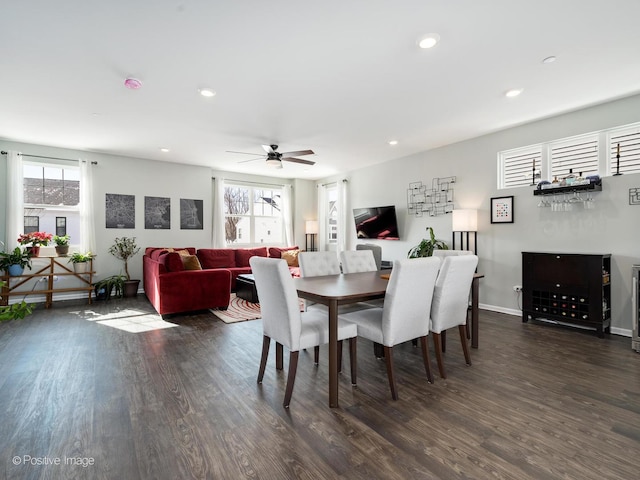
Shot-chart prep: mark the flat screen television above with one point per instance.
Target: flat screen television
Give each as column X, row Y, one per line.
column 376, row 223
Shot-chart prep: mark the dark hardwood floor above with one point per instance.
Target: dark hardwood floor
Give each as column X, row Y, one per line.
column 539, row 402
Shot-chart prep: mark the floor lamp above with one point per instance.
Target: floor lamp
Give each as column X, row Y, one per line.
column 310, row 230
column 465, row 222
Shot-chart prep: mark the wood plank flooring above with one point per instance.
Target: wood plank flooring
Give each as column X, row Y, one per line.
column 539, row 402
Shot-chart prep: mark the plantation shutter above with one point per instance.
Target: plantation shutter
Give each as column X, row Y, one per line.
column 518, row 167
column 579, row 154
column 629, row 142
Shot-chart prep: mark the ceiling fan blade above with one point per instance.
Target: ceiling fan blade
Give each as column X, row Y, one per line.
column 243, row 153
column 299, row 153
column 270, row 148
column 298, row 160
column 252, row 159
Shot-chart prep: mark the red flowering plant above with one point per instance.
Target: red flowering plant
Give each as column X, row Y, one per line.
column 35, row 239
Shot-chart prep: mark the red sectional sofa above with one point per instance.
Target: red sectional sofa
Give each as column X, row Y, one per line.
column 172, row 289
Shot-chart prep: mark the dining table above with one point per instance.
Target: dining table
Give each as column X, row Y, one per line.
column 344, row 289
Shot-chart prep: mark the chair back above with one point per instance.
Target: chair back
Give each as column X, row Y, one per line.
column 407, row 301
column 377, row 252
column 451, row 295
column 354, row 261
column 316, row 264
column 279, row 305
column 451, row 253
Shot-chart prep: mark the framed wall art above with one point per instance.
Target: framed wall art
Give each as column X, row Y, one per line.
column 191, row 214
column 120, row 210
column 502, row 209
column 157, row 213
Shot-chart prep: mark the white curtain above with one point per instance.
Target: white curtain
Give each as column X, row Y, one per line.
column 287, row 219
column 218, row 238
column 343, row 193
column 87, row 225
column 15, row 199
column 322, row 217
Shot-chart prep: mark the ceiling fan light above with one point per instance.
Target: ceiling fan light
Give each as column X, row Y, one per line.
column 274, row 163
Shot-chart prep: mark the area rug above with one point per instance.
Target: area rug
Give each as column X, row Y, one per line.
column 240, row 310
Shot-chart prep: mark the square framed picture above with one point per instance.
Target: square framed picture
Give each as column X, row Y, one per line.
column 502, row 209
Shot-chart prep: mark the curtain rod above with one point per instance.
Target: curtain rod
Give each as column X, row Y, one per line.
column 50, row 158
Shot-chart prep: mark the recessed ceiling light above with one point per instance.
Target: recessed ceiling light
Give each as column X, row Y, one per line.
column 429, row 41
column 165, row 150
column 132, row 83
column 550, row 59
column 513, row 92
column 207, row 92
column 393, row 142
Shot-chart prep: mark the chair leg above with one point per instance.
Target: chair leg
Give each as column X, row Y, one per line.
column 266, row 341
column 291, row 378
column 443, row 340
column 467, row 323
column 316, row 355
column 378, row 351
column 353, row 359
column 465, row 345
column 425, row 357
column 437, row 344
column 388, row 357
column 279, row 356
column 339, row 356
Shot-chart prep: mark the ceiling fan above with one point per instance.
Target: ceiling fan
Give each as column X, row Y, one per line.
column 274, row 158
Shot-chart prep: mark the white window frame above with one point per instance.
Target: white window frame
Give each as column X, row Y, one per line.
column 612, row 139
column 520, row 159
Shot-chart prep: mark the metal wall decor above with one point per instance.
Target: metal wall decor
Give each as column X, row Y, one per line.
column 434, row 201
column 634, row 196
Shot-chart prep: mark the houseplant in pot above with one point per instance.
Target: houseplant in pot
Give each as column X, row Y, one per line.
column 426, row 247
column 34, row 240
column 62, row 244
column 105, row 287
column 81, row 261
column 14, row 262
column 124, row 248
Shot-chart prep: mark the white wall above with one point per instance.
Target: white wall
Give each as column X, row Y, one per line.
column 613, row 227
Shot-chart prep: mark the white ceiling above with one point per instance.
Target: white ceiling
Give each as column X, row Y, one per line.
column 339, row 77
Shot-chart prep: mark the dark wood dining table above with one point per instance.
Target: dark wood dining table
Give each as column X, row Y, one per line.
column 335, row 290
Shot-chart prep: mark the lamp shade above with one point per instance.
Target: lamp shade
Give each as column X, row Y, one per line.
column 311, row 226
column 465, row 221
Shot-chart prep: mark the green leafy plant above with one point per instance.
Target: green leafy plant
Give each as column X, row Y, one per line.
column 16, row 257
column 61, row 240
column 78, row 257
column 15, row 311
column 114, row 283
column 426, row 247
column 124, row 248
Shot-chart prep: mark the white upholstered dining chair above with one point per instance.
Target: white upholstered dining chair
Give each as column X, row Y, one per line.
column 451, row 301
column 354, row 261
column 283, row 321
column 405, row 314
column 315, row 264
column 450, row 253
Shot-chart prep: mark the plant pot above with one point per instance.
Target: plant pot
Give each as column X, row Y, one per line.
column 62, row 250
column 103, row 293
column 15, row 270
column 131, row 288
column 81, row 267
column 35, row 251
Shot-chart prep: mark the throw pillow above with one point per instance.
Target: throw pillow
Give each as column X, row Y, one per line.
column 190, row 262
column 276, row 252
column 291, row 256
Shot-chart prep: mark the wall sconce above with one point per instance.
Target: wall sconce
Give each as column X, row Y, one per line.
column 310, row 230
column 465, row 222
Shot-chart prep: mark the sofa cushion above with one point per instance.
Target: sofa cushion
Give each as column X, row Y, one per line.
column 291, row 256
column 217, row 257
column 172, row 261
column 244, row 254
column 276, row 252
column 190, row 262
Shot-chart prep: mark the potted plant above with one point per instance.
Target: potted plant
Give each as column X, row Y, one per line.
column 34, row 241
column 426, row 247
column 62, row 244
column 105, row 287
column 81, row 261
column 14, row 311
column 14, row 262
column 124, row 248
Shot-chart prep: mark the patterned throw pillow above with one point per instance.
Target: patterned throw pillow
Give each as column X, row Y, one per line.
column 291, row 256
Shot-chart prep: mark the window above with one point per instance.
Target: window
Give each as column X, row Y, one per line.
column 52, row 199
column 626, row 143
column 332, row 214
column 253, row 215
column 579, row 155
column 519, row 166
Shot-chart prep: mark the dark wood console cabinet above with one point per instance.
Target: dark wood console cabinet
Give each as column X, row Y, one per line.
column 567, row 289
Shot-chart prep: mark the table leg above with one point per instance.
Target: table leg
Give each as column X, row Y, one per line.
column 333, row 353
column 475, row 290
